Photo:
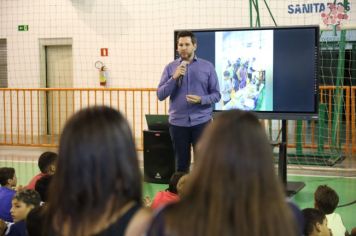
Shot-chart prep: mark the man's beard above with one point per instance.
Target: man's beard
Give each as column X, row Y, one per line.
column 186, row 56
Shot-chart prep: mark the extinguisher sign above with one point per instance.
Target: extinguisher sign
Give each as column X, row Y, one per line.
column 104, row 52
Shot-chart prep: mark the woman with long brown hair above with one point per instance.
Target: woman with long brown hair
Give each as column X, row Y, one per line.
column 233, row 189
column 96, row 189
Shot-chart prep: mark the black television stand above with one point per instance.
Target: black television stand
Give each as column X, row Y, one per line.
column 291, row 187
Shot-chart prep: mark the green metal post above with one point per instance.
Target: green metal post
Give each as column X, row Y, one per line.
column 258, row 22
column 270, row 13
column 251, row 16
column 321, row 128
column 254, row 4
column 336, row 120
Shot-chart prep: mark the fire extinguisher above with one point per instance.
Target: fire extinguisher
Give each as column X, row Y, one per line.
column 102, row 72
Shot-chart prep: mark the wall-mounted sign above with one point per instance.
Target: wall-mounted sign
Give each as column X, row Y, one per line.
column 104, row 52
column 22, row 28
column 319, row 7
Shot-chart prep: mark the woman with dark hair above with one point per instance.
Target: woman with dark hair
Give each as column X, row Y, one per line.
column 233, row 189
column 97, row 186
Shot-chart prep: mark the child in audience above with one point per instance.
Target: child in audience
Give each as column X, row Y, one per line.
column 233, row 188
column 97, row 187
column 22, row 203
column 42, row 186
column 326, row 200
column 170, row 194
column 315, row 223
column 35, row 219
column 8, row 182
column 47, row 166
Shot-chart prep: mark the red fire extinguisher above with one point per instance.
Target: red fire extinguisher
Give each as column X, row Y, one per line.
column 102, row 72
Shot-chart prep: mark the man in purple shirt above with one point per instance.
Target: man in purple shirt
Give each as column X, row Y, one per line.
column 8, row 181
column 193, row 87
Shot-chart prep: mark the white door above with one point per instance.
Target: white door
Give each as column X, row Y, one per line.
column 59, row 74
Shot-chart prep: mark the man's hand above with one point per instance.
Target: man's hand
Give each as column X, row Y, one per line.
column 180, row 71
column 194, row 99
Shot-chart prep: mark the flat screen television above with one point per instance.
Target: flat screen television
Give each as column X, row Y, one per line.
column 273, row 71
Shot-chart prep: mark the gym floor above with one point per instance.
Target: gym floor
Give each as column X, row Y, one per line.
column 343, row 180
column 344, row 186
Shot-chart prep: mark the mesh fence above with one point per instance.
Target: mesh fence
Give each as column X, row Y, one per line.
column 119, row 44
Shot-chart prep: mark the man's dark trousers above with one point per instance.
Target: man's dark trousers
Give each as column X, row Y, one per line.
column 182, row 139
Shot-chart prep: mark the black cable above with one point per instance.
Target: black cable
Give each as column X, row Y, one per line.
column 347, row 204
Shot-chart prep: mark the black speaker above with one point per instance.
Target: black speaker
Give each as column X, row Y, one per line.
column 158, row 156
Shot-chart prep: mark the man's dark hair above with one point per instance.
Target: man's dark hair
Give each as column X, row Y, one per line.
column 45, row 160
column 326, row 199
column 174, row 181
column 42, row 186
column 190, row 34
column 311, row 217
column 6, row 173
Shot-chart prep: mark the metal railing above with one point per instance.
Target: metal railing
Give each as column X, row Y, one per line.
column 35, row 116
column 318, row 134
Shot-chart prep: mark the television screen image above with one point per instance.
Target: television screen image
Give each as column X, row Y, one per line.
column 272, row 71
column 244, row 66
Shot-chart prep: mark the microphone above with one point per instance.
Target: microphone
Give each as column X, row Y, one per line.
column 180, row 79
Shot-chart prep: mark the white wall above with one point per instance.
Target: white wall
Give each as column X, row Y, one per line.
column 138, row 33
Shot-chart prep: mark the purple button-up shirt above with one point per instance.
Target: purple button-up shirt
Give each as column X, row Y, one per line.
column 200, row 79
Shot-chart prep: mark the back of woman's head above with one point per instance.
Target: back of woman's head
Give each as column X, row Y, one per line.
column 233, row 186
column 97, row 171
column 235, row 149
